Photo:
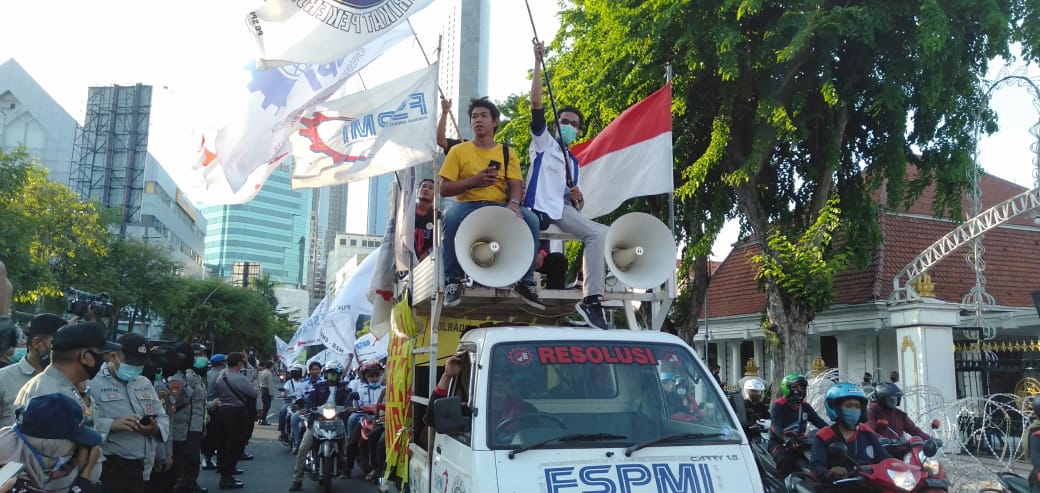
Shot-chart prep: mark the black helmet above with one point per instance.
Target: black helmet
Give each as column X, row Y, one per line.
column 1036, row 406
column 888, row 395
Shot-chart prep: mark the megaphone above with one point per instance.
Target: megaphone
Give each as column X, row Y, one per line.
column 379, row 324
column 494, row 246
column 640, row 250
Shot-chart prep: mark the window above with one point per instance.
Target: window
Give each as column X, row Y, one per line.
column 353, row 242
column 342, row 241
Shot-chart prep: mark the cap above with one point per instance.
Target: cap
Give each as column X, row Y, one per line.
column 56, row 416
column 82, row 335
column 135, row 349
column 45, row 324
column 218, row 358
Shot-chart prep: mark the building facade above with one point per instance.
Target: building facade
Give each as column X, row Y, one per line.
column 272, row 230
column 349, row 249
column 29, row 117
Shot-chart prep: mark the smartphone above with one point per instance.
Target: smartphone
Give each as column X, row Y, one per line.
column 495, row 165
column 10, row 470
column 147, row 419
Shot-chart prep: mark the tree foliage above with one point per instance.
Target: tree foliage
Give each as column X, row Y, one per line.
column 137, row 275
column 780, row 106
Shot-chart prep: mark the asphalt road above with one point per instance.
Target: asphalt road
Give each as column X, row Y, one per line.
column 271, row 469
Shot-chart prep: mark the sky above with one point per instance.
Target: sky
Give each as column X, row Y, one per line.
column 183, row 52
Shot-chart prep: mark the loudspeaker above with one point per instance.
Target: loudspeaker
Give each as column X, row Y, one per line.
column 494, row 246
column 379, row 324
column 640, row 250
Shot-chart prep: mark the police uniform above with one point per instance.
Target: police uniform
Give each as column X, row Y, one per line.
column 126, row 451
column 162, row 481
column 12, row 378
column 209, row 440
column 237, row 394
column 188, row 398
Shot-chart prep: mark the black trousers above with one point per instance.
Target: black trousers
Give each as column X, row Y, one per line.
column 209, row 440
column 232, row 427
column 186, row 462
column 265, row 399
column 119, row 475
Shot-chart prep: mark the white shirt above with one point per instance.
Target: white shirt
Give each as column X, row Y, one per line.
column 547, row 177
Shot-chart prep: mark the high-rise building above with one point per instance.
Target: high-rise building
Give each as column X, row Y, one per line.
column 464, row 56
column 29, row 117
column 271, row 230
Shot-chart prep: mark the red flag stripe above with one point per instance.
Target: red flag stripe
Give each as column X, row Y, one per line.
column 640, row 122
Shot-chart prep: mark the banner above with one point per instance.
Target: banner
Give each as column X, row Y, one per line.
column 350, row 309
column 281, row 349
column 632, row 157
column 316, row 31
column 308, row 332
column 370, row 133
column 404, row 330
column 236, row 153
column 368, row 348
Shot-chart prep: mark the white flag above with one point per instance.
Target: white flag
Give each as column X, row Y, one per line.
column 281, row 348
column 348, row 312
column 235, row 154
column 308, row 333
column 316, row 31
column 386, row 128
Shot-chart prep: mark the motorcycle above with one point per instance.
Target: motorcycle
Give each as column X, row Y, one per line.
column 915, row 451
column 292, row 407
column 323, row 459
column 371, row 425
column 1010, row 482
column 887, row 476
column 771, row 479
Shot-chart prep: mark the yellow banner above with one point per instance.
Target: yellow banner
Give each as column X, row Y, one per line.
column 449, row 331
column 403, row 330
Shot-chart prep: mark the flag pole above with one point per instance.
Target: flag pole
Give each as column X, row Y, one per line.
column 671, row 195
column 440, row 91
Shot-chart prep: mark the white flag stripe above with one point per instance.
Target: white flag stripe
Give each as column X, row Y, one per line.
column 339, row 330
column 640, row 169
column 288, row 31
column 370, row 133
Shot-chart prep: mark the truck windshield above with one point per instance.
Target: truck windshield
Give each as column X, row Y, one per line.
column 540, row 390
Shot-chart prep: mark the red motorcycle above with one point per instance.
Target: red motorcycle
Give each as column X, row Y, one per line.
column 915, row 451
column 887, row 476
column 371, row 426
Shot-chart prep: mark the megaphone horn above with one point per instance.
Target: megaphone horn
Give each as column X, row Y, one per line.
column 494, row 246
column 640, row 250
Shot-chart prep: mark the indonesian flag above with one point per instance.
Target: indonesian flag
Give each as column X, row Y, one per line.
column 632, row 157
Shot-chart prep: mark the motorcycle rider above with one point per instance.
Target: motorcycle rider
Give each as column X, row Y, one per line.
column 368, row 394
column 293, row 390
column 887, row 397
column 754, row 391
column 844, row 403
column 788, row 416
column 1033, row 432
column 332, row 386
column 296, row 420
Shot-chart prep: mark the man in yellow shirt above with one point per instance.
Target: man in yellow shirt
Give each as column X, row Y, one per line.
column 474, row 174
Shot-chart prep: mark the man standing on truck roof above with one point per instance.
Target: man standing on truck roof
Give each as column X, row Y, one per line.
column 559, row 201
column 475, row 174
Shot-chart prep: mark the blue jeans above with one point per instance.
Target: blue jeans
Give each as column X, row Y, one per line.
column 454, row 216
column 296, row 428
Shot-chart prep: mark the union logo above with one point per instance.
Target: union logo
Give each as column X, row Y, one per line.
column 360, row 4
column 310, row 131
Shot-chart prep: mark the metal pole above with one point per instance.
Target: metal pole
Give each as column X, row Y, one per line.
column 671, row 195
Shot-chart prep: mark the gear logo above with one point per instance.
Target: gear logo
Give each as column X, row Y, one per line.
column 360, row 4
column 276, row 84
column 521, row 356
column 318, row 145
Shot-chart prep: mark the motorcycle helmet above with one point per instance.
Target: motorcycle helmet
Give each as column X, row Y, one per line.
column 332, row 371
column 888, row 395
column 790, row 381
column 838, row 393
column 370, row 367
column 753, row 390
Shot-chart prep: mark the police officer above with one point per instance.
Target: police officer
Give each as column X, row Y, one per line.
column 209, row 443
column 237, row 395
column 40, row 333
column 162, row 476
column 188, row 398
column 130, row 415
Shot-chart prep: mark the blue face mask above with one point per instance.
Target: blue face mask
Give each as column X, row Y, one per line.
column 200, row 362
column 568, row 134
column 373, row 385
column 19, row 354
column 850, row 417
column 128, row 373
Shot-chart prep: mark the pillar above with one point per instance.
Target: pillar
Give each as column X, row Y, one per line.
column 843, row 356
column 735, row 369
column 924, row 348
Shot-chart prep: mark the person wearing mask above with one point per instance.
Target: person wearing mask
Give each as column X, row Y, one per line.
column 296, row 421
column 331, row 389
column 369, row 393
column 217, row 363
column 8, row 329
column 483, row 173
column 886, row 407
column 424, row 218
column 52, row 443
column 40, row 333
column 187, row 405
column 130, row 416
column 236, row 395
column 1033, row 446
column 893, row 376
column 755, row 408
column 789, row 418
column 293, row 389
column 845, row 404
column 77, row 355
column 557, row 201
column 268, row 384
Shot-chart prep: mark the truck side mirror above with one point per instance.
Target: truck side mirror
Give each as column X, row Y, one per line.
column 737, row 401
column 447, row 415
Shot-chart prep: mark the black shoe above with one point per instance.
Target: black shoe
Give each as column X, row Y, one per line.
column 233, row 484
column 199, row 489
column 296, row 486
column 452, row 293
column 238, row 472
column 530, row 295
column 246, row 456
column 591, row 310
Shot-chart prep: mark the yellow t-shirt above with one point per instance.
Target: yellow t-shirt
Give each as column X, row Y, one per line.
column 466, row 159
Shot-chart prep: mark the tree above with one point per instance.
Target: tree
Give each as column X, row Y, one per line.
column 49, row 238
column 782, row 108
column 230, row 318
column 265, row 286
column 137, row 275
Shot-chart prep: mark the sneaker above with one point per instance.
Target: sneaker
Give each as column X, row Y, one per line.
column 591, row 310
column 452, row 293
column 530, row 295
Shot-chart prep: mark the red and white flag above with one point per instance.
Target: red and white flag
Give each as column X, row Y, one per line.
column 632, row 157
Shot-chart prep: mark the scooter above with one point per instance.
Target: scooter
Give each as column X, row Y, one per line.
column 292, row 407
column 371, row 424
column 915, row 451
column 887, row 476
column 1011, row 482
column 771, row 480
column 323, row 458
